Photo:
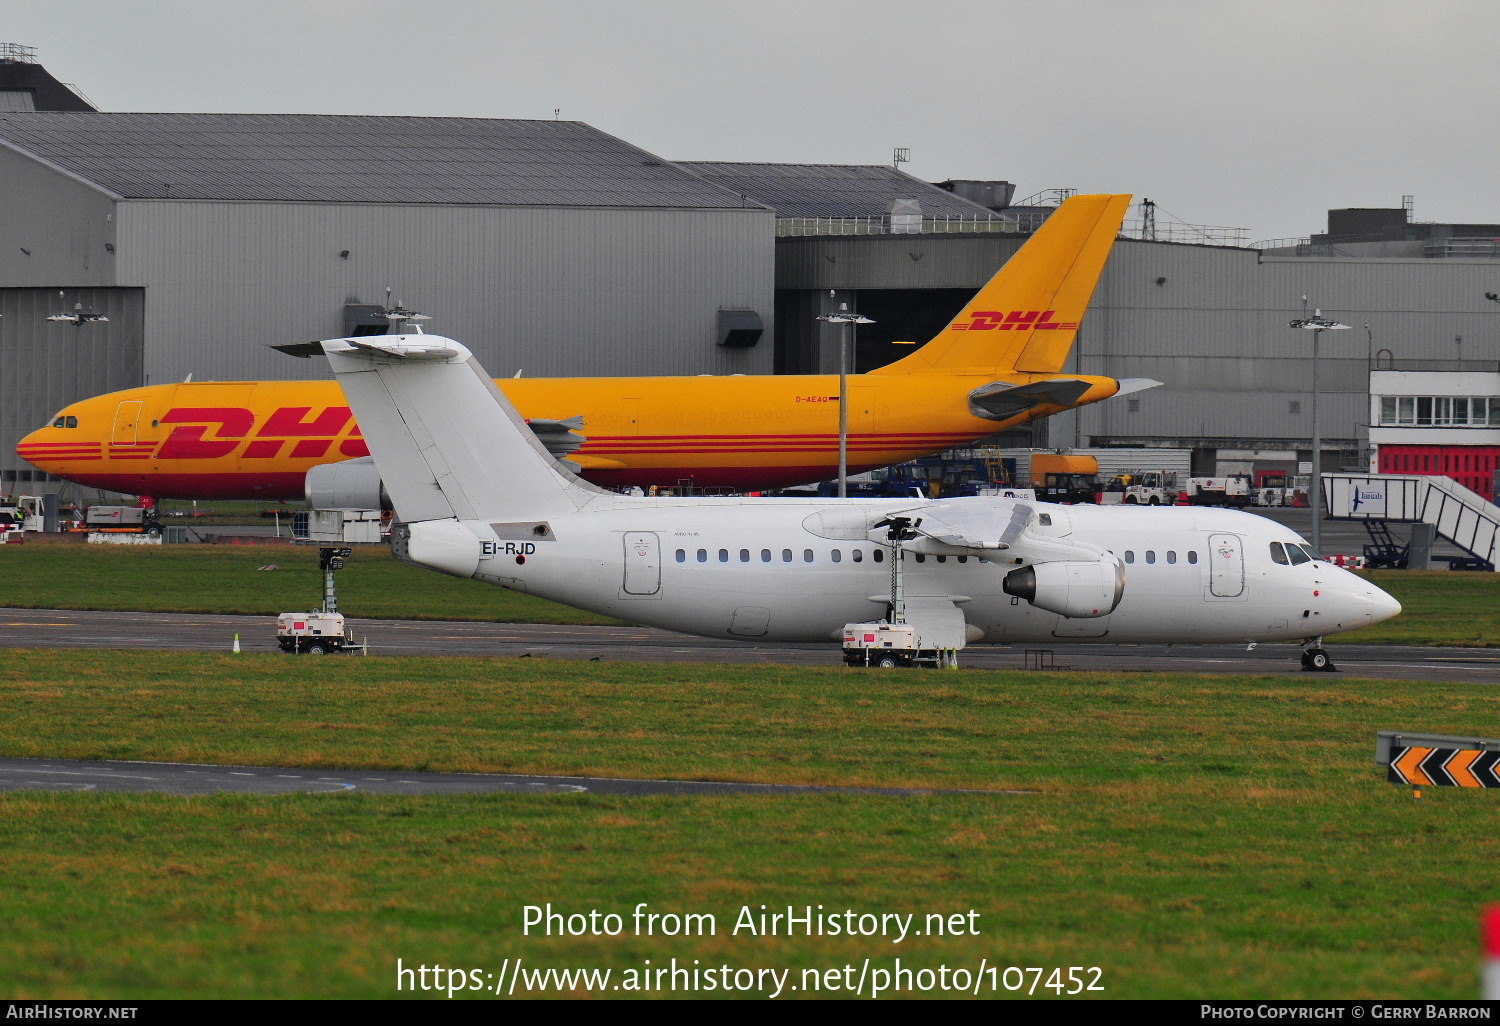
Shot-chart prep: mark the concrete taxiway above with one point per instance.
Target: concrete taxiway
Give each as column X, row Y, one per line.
column 189, row 778
column 52, row 628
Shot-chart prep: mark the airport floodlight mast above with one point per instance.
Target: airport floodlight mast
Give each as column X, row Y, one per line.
column 899, row 529
column 79, row 317
column 1317, row 324
column 846, row 340
column 398, row 316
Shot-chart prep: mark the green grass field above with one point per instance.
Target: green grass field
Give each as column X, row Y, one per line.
column 1190, row 836
column 1441, row 608
column 256, row 580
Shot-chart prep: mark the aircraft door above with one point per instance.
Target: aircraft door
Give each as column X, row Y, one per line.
column 1226, row 568
column 642, row 563
column 127, row 423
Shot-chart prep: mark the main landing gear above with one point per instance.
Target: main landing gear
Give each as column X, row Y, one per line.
column 1315, row 658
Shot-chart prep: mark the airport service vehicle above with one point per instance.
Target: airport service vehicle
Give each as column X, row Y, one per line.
column 1057, row 477
column 479, row 497
column 997, row 364
column 1146, row 488
column 121, row 520
column 1231, row 490
column 315, row 634
column 886, row 645
column 1277, row 488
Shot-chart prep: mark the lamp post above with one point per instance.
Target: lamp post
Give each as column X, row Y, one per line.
column 1317, row 324
column 850, row 320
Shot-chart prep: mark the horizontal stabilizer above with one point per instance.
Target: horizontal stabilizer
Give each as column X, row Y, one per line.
column 1128, row 385
column 403, row 347
column 1002, row 400
column 558, row 435
column 301, row 350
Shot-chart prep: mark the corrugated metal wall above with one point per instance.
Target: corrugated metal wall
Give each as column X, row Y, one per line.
column 44, row 365
column 550, row 291
column 1210, row 322
column 56, row 230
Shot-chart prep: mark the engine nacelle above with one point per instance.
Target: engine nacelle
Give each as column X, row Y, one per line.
column 1076, row 589
column 352, row 484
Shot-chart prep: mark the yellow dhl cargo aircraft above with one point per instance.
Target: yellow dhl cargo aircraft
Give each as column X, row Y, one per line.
column 996, row 365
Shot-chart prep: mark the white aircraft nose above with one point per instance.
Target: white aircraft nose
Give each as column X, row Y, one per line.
column 1382, row 605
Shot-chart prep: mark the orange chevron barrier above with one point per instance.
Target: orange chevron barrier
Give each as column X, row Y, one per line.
column 1438, row 760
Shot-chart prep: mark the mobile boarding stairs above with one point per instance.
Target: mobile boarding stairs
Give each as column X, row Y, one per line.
column 1459, row 515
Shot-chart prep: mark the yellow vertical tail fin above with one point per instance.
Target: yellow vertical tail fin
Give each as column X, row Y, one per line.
column 1026, row 318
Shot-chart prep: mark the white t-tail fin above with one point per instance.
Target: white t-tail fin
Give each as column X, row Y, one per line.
column 446, row 441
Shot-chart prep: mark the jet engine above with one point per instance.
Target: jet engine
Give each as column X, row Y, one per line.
column 352, row 484
column 1076, row 589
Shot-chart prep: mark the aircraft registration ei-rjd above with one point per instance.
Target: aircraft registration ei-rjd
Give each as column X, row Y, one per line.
column 477, row 495
column 997, row 364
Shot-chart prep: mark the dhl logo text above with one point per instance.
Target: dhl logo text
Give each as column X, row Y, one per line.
column 1006, row 320
column 212, row 432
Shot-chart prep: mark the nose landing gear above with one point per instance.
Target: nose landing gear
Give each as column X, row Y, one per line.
column 1315, row 658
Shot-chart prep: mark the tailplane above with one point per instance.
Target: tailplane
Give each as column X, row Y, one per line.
column 1027, row 317
column 447, row 443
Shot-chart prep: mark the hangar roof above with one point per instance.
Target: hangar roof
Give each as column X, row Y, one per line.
column 356, row 159
column 833, row 190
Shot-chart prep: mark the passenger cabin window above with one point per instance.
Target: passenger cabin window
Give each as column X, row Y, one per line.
column 921, row 558
column 1171, row 556
column 1151, row 555
column 786, row 555
column 835, row 555
column 879, row 555
column 1192, row 556
column 807, row 556
column 857, row 555
column 744, row 555
column 681, row 555
column 1130, row 555
column 723, row 555
column 765, row 555
column 1278, row 554
column 703, row 555
column 1045, row 519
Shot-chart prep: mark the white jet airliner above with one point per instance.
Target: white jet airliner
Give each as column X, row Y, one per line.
column 479, row 496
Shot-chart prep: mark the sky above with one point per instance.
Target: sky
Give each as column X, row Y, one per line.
column 1257, row 114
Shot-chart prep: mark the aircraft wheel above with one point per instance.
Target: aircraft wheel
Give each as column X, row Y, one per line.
column 1317, row 660
column 316, row 648
column 886, row 662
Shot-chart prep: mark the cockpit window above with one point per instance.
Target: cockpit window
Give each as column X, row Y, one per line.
column 72, row 422
column 1278, row 553
column 65, row 422
column 59, row 422
column 1312, row 553
column 1298, row 556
